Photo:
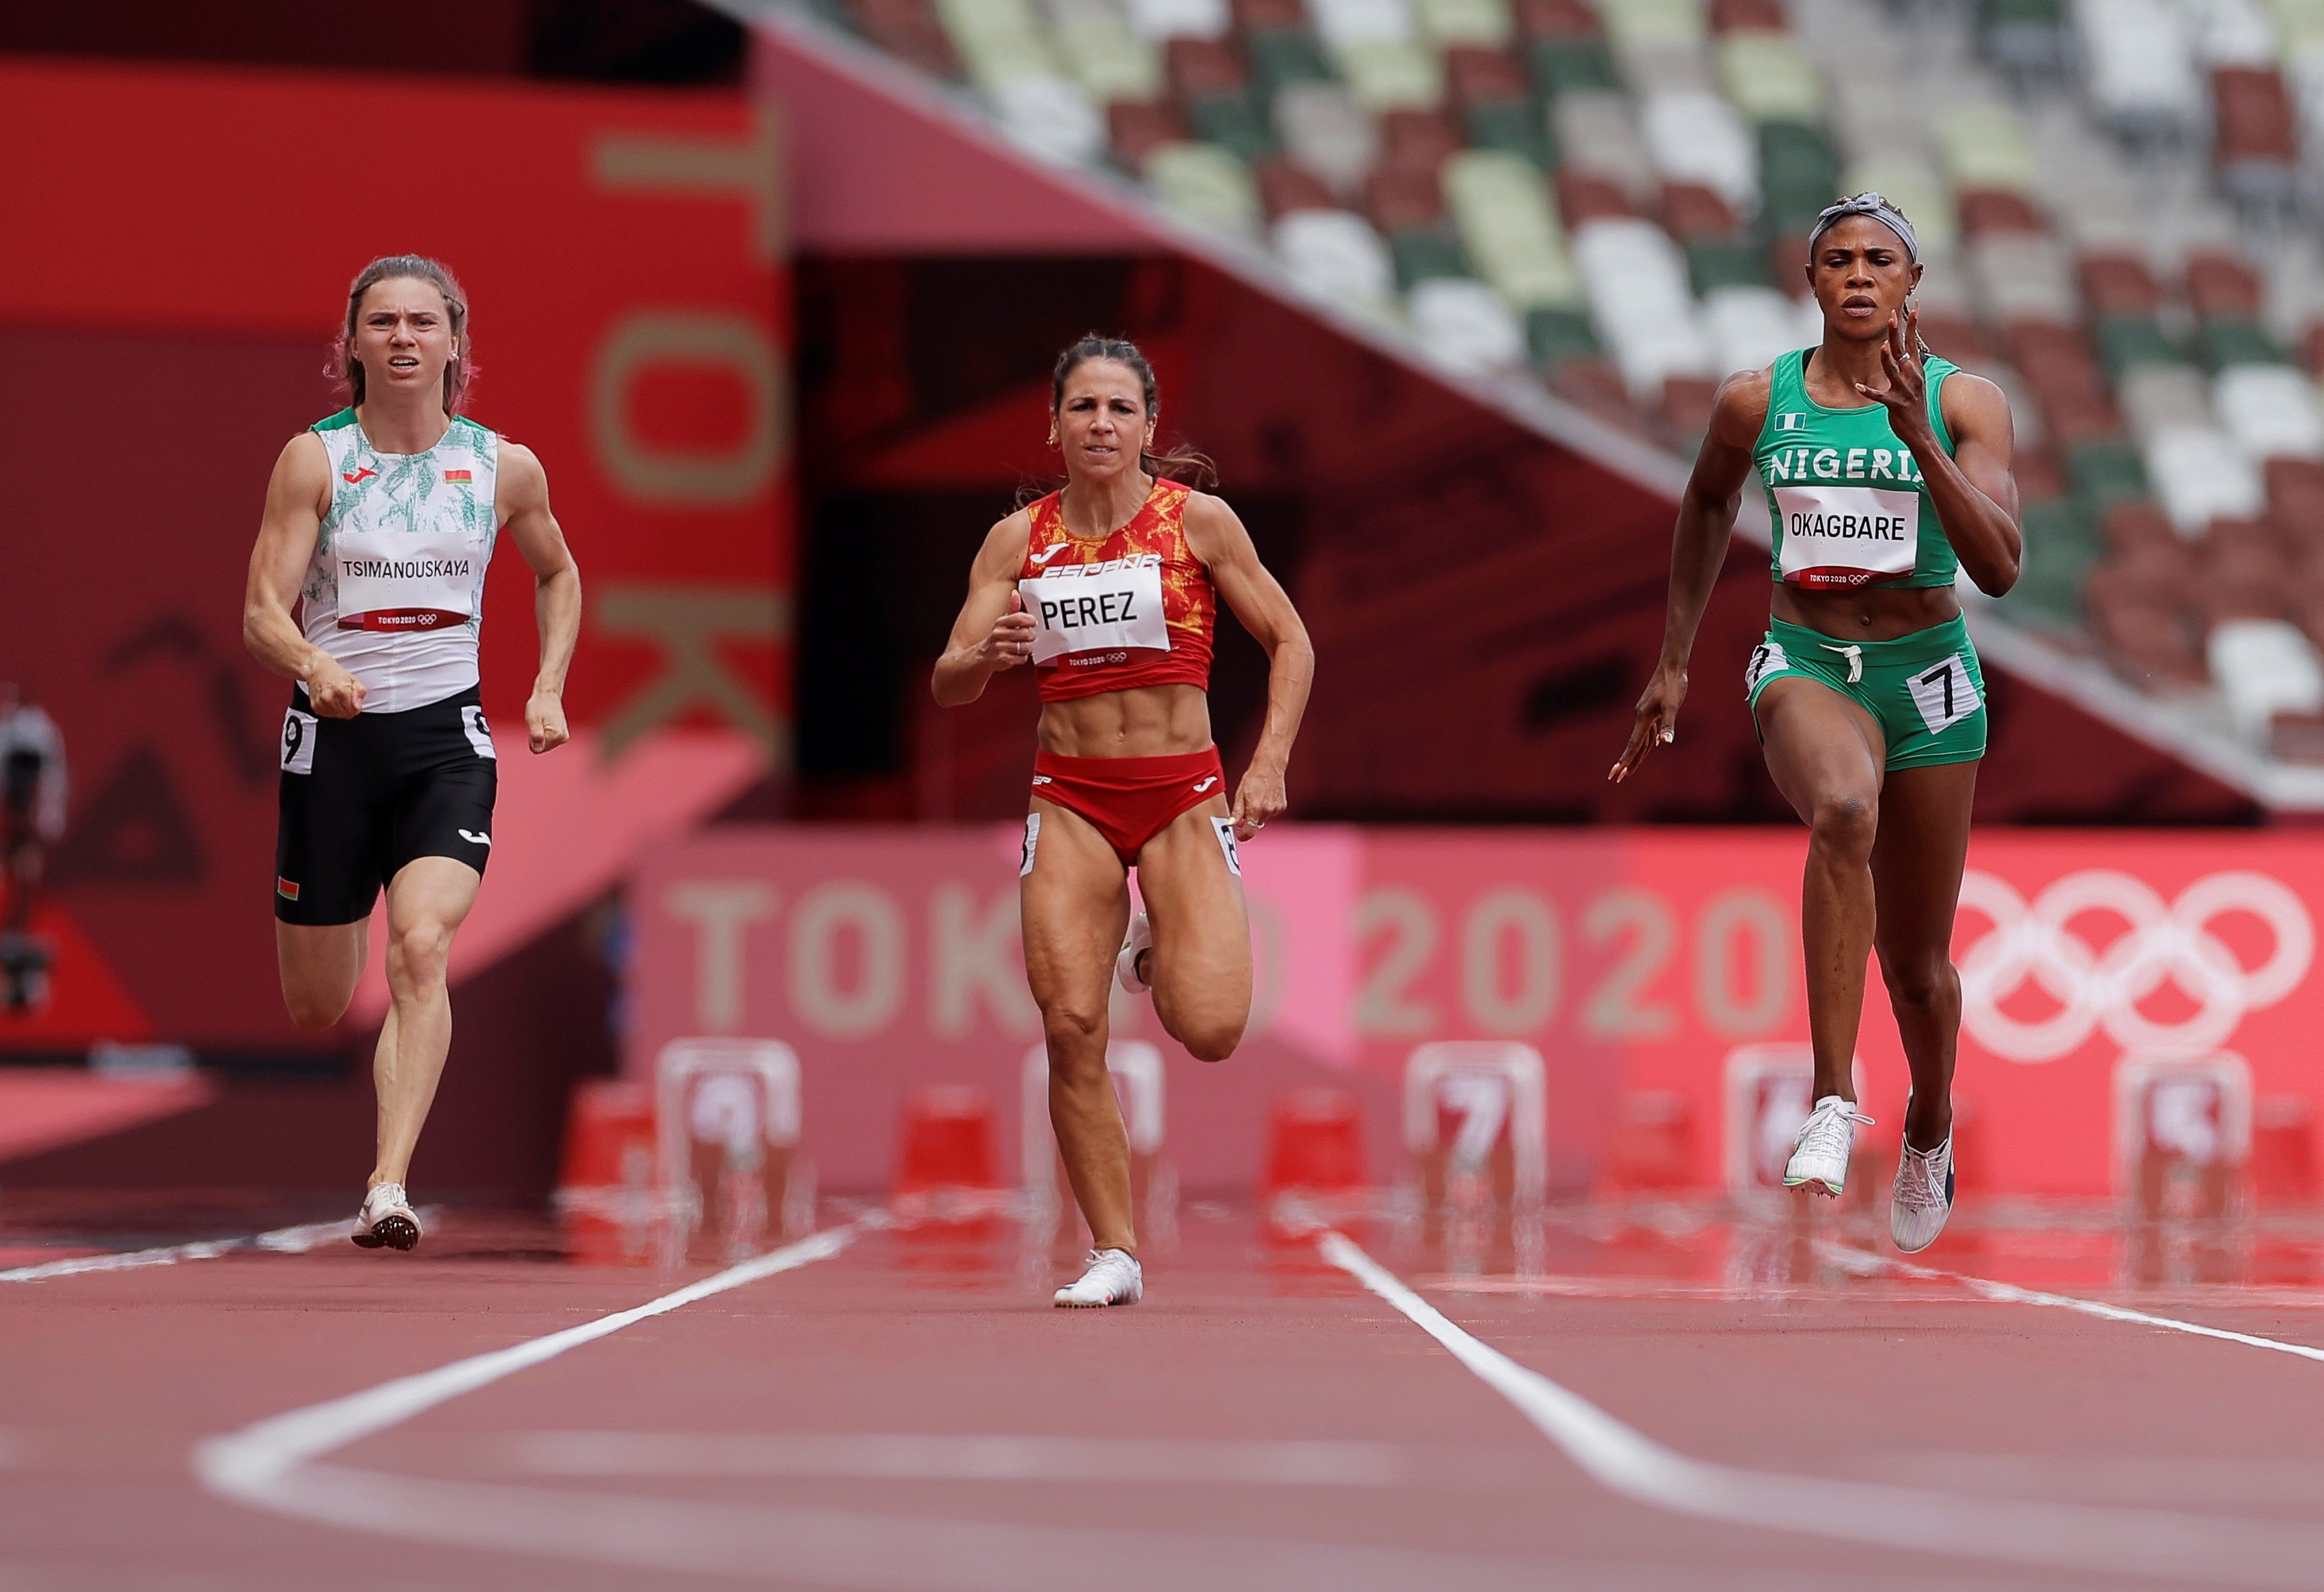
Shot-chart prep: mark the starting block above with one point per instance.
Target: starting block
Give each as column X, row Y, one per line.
column 727, row 1114
column 1135, row 1069
column 1770, row 1089
column 2183, row 1131
column 1476, row 1120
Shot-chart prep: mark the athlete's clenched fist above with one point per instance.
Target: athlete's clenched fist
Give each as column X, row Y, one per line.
column 1010, row 641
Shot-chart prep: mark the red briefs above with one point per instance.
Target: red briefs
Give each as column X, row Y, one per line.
column 1129, row 800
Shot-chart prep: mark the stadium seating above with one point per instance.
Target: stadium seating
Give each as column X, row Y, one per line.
column 1615, row 195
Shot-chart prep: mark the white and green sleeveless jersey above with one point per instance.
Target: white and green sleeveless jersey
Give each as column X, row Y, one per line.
column 396, row 589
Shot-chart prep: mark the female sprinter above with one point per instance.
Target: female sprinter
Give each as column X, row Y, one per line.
column 1109, row 587
column 1886, row 469
column 381, row 520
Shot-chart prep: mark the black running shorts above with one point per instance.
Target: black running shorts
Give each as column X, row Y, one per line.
column 363, row 796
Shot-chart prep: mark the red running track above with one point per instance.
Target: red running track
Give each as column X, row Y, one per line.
column 907, row 1413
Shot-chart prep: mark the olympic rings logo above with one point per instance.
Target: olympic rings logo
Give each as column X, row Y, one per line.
column 2097, row 991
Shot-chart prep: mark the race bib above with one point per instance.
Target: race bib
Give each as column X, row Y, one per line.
column 1107, row 607
column 1944, row 694
column 298, row 742
column 405, row 583
column 1846, row 536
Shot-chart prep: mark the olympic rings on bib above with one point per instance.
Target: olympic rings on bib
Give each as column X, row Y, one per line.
column 2098, row 991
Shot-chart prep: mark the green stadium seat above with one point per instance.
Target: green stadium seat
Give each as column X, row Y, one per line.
column 1232, row 121
column 2104, row 473
column 1280, row 57
column 2061, row 548
column 2237, row 340
column 1572, row 66
column 2125, row 340
column 1424, row 252
column 1517, row 128
column 1799, row 174
column 1557, row 335
column 1712, row 263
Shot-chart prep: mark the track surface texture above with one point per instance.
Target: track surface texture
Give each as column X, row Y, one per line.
column 1641, row 1398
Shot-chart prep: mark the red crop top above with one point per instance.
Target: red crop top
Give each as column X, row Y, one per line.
column 1134, row 608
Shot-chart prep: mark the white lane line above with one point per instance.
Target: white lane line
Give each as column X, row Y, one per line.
column 256, row 1465
column 931, row 1457
column 295, row 1240
column 2168, row 1544
column 1865, row 1263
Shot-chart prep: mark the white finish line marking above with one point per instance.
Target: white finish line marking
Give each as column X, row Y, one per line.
column 2169, row 1544
column 295, row 1240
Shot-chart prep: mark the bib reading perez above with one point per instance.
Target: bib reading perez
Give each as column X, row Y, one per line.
column 1134, row 608
column 1846, row 500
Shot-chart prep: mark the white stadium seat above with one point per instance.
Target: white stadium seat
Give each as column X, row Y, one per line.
column 1158, row 20
column 1335, row 255
column 2271, row 410
column 1465, row 325
column 2160, row 398
column 1324, row 130
column 1697, row 137
column 1640, row 305
column 2137, row 66
column 1205, row 185
column 1748, row 328
column 2263, row 667
column 1342, row 23
column 2199, row 475
column 1051, row 117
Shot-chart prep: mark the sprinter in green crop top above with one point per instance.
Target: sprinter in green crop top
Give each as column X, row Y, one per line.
column 1886, row 470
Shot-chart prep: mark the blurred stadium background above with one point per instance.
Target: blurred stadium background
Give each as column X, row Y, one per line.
column 1444, row 285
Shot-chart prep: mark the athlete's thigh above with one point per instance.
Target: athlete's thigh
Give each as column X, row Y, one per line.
column 1073, row 900
column 1189, row 876
column 1920, row 852
column 1820, row 745
column 321, row 962
column 431, row 890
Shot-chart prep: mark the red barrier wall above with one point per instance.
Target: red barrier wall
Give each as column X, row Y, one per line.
column 167, row 293
column 1633, row 960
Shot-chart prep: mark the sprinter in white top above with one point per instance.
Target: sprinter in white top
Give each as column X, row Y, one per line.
column 380, row 523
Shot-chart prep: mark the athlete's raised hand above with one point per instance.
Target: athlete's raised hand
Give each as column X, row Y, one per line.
column 334, row 692
column 1010, row 641
column 1906, row 395
column 1657, row 721
column 544, row 719
column 1260, row 799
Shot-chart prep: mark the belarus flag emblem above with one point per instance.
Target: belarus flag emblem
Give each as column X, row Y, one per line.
column 460, row 476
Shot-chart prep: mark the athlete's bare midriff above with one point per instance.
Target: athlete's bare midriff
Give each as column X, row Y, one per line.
column 1143, row 721
column 1869, row 613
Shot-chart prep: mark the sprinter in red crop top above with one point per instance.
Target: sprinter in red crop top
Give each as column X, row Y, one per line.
column 1110, row 588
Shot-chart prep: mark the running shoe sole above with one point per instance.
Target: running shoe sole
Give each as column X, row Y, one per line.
column 1819, row 1184
column 1062, row 1303
column 392, row 1232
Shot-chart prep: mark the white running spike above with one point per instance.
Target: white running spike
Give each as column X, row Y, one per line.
column 1125, row 966
column 1819, row 1154
column 1113, row 1278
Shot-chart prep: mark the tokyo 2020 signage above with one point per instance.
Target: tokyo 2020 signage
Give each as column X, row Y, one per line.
column 1632, row 960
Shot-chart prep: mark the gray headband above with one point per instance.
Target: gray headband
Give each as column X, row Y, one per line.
column 1874, row 206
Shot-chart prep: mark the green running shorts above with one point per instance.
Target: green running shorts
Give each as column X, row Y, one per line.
column 1925, row 689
